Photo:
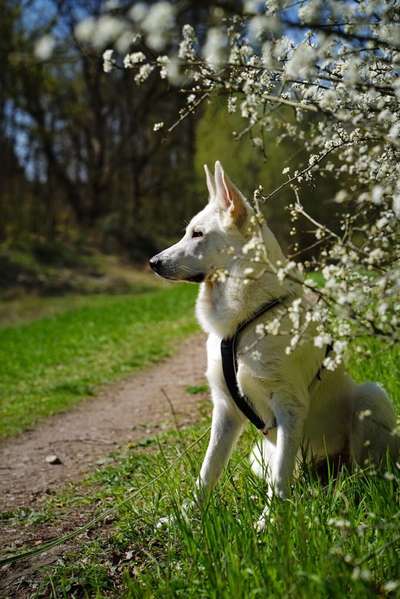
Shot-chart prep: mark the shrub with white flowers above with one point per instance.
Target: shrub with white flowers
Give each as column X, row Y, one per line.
column 338, row 63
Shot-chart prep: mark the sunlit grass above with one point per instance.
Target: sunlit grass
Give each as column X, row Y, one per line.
column 340, row 539
column 46, row 366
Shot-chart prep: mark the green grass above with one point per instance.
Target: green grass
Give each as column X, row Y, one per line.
column 334, row 540
column 48, row 365
column 196, row 389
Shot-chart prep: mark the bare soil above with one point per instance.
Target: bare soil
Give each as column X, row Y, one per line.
column 124, row 412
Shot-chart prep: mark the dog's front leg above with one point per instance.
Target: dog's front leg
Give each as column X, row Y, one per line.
column 290, row 416
column 226, row 427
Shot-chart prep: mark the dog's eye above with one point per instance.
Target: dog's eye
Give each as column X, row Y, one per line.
column 197, row 233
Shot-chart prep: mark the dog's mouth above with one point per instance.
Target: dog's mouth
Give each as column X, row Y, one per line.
column 196, row 278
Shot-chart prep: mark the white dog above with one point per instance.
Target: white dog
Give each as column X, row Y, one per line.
column 304, row 410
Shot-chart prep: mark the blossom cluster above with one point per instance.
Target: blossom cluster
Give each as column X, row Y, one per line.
column 338, row 65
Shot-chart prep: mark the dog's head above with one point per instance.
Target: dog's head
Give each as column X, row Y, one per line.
column 212, row 237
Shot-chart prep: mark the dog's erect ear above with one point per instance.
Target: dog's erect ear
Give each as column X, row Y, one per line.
column 210, row 183
column 229, row 197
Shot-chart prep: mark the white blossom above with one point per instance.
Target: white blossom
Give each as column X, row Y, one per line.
column 377, row 193
column 260, row 330
column 322, row 340
column 301, row 62
column 232, row 107
column 144, row 73
column 396, row 205
column 310, row 10
column 163, row 62
column 187, row 47
column 394, row 133
column 330, row 363
column 273, row 326
column 125, row 41
column 174, row 73
column 215, row 47
column 100, row 31
column 257, row 26
column 138, row 11
column 251, row 6
column 364, row 414
column 158, row 23
column 131, row 60
column 341, row 196
column 44, row 47
column 108, row 60
column 85, row 29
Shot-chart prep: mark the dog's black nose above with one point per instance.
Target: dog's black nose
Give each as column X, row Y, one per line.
column 155, row 263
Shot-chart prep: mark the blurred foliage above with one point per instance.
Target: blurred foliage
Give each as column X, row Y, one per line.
column 82, row 166
column 80, row 158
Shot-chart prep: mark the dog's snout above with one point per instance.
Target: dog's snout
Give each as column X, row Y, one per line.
column 155, row 263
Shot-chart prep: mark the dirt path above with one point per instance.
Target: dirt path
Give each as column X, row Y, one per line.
column 126, row 411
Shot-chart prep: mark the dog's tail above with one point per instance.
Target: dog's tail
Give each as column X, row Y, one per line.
column 374, row 432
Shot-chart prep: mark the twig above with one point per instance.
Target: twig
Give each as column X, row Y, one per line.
column 171, row 407
column 187, row 112
column 306, row 170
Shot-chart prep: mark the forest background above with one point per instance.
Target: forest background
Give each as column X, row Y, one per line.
column 82, row 170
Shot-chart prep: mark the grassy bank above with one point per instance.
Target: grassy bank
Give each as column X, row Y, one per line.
column 48, row 365
column 25, row 307
column 334, row 540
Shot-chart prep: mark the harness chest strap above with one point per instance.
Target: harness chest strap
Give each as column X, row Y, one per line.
column 229, row 367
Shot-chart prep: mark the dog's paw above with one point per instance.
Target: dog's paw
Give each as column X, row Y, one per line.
column 263, row 520
column 260, row 525
column 183, row 514
column 166, row 522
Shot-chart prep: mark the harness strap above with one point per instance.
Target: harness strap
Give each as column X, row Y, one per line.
column 230, row 365
column 228, row 355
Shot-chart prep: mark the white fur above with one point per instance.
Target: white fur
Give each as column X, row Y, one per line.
column 314, row 418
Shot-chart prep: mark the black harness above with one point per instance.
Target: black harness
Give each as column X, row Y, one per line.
column 230, row 364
